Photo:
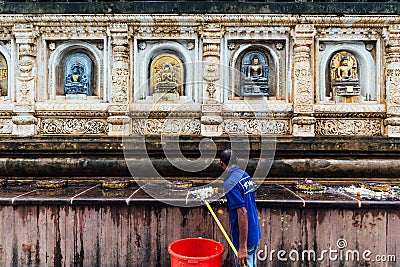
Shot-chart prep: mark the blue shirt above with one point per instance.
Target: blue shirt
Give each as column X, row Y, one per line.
column 239, row 190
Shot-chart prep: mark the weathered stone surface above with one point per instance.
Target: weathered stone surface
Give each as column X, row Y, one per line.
column 195, row 7
column 329, row 158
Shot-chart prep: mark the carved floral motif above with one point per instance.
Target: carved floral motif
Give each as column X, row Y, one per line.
column 370, row 127
column 256, row 126
column 166, row 126
column 74, row 126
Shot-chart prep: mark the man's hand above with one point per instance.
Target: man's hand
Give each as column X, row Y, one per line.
column 242, row 257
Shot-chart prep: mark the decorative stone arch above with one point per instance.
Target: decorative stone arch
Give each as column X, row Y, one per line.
column 6, row 93
column 142, row 86
column 57, row 64
column 273, row 70
column 366, row 65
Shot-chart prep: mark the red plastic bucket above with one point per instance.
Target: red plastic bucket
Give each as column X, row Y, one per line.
column 196, row 252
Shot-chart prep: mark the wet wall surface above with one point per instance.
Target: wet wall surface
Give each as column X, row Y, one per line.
column 85, row 225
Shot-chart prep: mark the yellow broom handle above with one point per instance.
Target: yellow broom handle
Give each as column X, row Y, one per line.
column 221, row 227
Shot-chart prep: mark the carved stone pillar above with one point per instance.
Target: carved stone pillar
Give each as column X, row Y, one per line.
column 118, row 111
column 393, row 81
column 211, row 119
column 303, row 86
column 25, row 124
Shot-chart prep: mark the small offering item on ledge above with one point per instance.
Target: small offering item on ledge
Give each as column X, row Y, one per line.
column 115, row 184
column 51, row 184
column 377, row 187
column 179, row 184
column 307, row 185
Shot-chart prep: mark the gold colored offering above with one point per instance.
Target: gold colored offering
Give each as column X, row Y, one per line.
column 51, row 184
column 179, row 184
column 304, row 186
column 377, row 187
column 115, row 184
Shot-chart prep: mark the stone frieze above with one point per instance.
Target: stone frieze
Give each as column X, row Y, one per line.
column 74, row 126
column 166, row 126
column 256, row 126
column 349, row 127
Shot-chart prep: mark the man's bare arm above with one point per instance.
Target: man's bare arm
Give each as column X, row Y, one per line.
column 243, row 231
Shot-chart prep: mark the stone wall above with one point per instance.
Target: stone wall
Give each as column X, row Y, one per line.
column 121, row 49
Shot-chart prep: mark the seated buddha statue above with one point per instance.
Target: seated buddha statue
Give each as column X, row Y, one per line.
column 167, row 81
column 255, row 78
column 344, row 78
column 76, row 82
column 344, row 71
column 256, row 71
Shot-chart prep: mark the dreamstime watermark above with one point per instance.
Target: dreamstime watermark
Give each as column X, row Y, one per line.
column 338, row 253
column 165, row 119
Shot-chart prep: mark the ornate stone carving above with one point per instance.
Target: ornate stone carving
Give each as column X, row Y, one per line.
column 303, row 79
column 24, row 120
column 166, row 126
column 166, row 74
column 393, row 76
column 256, row 126
column 74, row 126
column 304, row 120
column 354, row 33
column 211, row 120
column 343, row 109
column 303, row 76
column 362, row 127
column 211, row 34
column 120, row 62
column 6, row 126
column 75, row 113
column 165, row 27
column 77, row 32
column 25, row 37
column 256, row 31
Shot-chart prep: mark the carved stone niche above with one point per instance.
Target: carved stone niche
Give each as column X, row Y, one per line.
column 76, row 69
column 3, row 76
column 347, row 73
column 258, row 70
column 165, row 71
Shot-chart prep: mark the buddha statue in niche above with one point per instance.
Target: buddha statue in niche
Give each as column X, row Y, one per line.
column 167, row 81
column 255, row 71
column 77, row 82
column 167, row 76
column 345, row 84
